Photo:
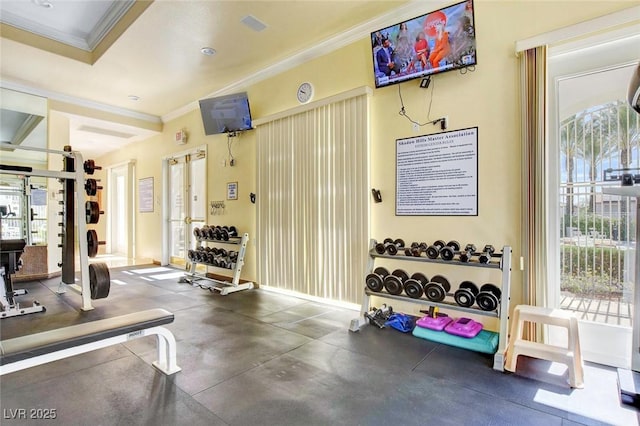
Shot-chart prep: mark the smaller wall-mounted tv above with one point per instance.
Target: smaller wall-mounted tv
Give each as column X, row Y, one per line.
column 439, row 41
column 226, row 114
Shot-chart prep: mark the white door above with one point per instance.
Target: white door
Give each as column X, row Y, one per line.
column 118, row 211
column 593, row 135
column 187, row 203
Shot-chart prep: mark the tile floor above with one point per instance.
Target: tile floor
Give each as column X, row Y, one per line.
column 259, row 358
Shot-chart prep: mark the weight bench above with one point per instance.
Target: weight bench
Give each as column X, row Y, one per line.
column 40, row 348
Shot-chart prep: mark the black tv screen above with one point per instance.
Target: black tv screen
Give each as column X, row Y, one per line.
column 226, row 114
column 439, row 41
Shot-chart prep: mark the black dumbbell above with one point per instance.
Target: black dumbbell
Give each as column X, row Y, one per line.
column 414, row 286
column 230, row 230
column 433, row 251
column 467, row 253
column 487, row 252
column 466, row 293
column 416, row 249
column 449, row 251
column 393, row 283
column 191, row 255
column 375, row 280
column 197, row 233
column 488, row 298
column 437, row 289
column 389, row 246
column 379, row 316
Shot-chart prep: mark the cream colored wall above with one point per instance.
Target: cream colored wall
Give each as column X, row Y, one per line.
column 486, row 98
column 148, row 156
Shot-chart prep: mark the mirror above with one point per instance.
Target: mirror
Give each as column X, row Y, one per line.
column 23, row 121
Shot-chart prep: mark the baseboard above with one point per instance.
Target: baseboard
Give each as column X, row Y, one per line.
column 33, row 277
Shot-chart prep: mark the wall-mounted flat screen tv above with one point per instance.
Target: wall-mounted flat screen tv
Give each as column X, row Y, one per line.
column 439, row 41
column 226, row 114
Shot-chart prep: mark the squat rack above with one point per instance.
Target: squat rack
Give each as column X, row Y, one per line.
column 69, row 177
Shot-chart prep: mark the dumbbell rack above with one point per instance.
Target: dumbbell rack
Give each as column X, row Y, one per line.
column 224, row 287
column 502, row 313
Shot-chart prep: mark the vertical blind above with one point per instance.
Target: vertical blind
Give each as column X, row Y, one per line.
column 312, row 203
column 533, row 86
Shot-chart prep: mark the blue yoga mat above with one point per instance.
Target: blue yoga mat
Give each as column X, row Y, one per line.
column 485, row 342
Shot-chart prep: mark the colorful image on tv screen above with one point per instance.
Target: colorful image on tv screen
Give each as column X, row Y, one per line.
column 439, row 41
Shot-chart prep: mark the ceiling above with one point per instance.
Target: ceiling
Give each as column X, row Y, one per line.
column 105, row 54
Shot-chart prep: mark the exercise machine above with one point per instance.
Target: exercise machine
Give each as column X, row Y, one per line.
column 10, row 252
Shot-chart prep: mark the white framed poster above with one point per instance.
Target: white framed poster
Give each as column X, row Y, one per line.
column 437, row 175
column 145, row 195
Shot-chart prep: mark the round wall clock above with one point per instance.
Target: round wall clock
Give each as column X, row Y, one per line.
column 305, row 93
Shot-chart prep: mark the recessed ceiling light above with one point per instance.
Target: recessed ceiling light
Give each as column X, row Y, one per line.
column 44, row 3
column 133, row 97
column 208, row 51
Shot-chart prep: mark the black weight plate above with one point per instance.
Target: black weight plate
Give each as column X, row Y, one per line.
column 471, row 286
column 415, row 245
column 400, row 274
column 383, row 272
column 442, row 280
column 413, row 288
column 374, row 282
column 92, row 211
column 416, row 252
column 408, row 251
column 210, row 257
column 393, row 285
column 388, row 241
column 434, row 292
column 399, row 242
column 464, row 297
column 190, row 254
column 420, row 277
column 392, row 249
column 224, row 234
column 92, row 243
column 91, row 187
column 380, row 248
column 196, row 232
column 99, row 280
column 447, row 253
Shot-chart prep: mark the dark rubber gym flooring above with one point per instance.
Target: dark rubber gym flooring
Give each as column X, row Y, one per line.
column 260, row 358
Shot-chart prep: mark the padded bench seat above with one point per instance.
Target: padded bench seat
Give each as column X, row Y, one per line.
column 18, row 353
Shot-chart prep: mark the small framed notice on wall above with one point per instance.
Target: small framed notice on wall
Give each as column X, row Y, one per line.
column 232, row 191
column 145, row 195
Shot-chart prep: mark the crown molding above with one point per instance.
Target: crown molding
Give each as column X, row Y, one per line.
column 55, row 96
